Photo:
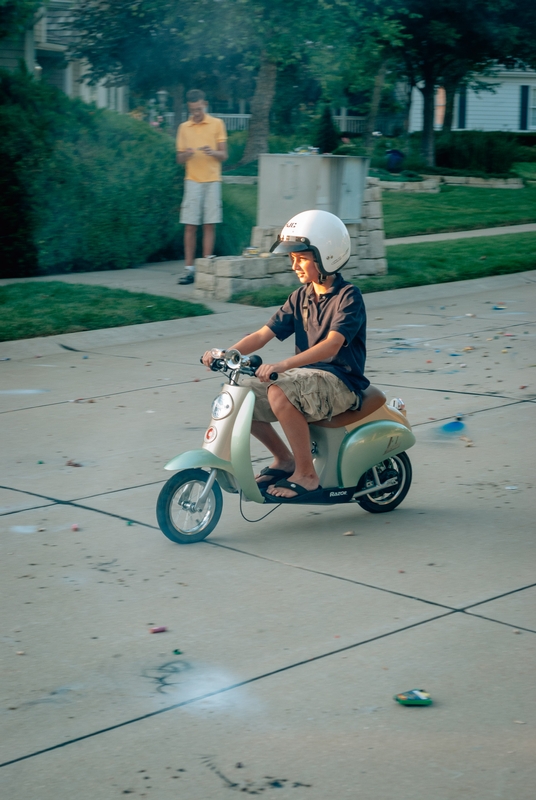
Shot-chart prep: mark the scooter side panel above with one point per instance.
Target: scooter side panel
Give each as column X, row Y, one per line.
column 368, row 445
column 241, row 451
column 198, row 458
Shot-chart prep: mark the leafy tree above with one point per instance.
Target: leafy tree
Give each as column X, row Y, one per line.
column 445, row 43
column 274, row 36
column 15, row 15
column 154, row 44
column 366, row 33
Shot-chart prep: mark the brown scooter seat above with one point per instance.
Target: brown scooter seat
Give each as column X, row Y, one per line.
column 373, row 399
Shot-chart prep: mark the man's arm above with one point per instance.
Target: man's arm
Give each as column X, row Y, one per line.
column 184, row 155
column 322, row 351
column 220, row 154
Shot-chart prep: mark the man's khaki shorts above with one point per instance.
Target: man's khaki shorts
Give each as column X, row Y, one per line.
column 201, row 204
column 316, row 393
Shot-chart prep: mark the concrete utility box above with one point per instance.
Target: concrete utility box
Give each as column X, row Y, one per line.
column 292, row 183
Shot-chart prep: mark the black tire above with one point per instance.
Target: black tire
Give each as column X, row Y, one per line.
column 179, row 523
column 379, row 502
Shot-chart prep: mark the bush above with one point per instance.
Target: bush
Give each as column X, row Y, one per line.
column 486, row 152
column 326, row 135
column 80, row 188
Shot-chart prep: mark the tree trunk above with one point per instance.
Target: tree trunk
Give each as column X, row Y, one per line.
column 427, row 142
column 261, row 105
column 407, row 112
column 379, row 82
column 450, row 94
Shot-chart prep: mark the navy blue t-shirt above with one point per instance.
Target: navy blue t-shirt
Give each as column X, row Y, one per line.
column 340, row 309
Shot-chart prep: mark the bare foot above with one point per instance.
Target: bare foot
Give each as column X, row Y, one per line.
column 309, row 482
column 285, row 467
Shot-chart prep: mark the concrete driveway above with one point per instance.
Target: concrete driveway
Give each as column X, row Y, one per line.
column 286, row 639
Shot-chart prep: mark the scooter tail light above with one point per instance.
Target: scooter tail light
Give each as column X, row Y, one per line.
column 398, row 403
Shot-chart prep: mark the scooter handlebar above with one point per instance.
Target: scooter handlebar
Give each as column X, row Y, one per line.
column 274, row 376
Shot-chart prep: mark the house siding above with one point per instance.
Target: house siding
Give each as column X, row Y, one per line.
column 499, row 110
column 17, row 49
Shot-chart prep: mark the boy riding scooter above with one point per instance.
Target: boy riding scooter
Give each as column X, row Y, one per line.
column 325, row 378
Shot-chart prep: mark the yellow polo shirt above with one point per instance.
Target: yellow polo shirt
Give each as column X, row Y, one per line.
column 200, row 167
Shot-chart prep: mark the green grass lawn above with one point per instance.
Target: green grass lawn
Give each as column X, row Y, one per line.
column 434, row 262
column 526, row 169
column 456, row 208
column 51, row 307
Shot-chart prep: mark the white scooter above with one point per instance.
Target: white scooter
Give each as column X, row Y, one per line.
column 361, row 461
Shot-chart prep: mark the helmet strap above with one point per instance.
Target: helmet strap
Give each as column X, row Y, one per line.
column 321, row 276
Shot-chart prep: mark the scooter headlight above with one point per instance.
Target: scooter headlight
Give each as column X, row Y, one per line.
column 222, row 406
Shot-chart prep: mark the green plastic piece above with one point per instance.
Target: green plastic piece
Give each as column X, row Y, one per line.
column 415, row 697
column 368, row 445
column 198, row 458
column 177, row 652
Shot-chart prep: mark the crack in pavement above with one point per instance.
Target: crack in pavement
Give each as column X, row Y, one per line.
column 107, row 394
column 217, row 692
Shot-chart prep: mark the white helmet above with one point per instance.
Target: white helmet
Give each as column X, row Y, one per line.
column 323, row 233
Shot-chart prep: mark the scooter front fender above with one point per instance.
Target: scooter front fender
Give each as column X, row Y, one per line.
column 199, row 458
column 368, row 445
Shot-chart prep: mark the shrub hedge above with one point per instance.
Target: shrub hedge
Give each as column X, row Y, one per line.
column 80, row 188
column 488, row 152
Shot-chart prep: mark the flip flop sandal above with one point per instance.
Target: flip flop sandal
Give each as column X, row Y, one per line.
column 301, row 492
column 271, row 472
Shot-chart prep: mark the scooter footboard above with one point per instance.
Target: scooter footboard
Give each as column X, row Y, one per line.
column 368, row 445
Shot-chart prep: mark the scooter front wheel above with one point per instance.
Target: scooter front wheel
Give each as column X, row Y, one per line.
column 177, row 510
column 381, row 501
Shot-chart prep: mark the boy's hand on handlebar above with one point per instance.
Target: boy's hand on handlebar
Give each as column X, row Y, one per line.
column 265, row 370
column 207, row 358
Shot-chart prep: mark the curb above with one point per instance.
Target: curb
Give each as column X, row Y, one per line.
column 244, row 316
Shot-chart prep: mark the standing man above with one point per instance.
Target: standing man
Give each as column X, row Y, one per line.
column 202, row 147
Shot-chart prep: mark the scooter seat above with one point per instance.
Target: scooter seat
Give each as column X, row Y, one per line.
column 373, row 399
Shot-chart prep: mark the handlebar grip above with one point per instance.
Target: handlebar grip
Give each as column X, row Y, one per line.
column 274, row 376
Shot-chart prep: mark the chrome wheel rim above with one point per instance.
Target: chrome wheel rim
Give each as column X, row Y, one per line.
column 395, row 465
column 183, row 517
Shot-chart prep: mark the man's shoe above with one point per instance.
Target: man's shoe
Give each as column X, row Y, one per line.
column 186, row 279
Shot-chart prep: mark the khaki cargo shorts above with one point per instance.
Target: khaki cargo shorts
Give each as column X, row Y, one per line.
column 201, row 204
column 316, row 393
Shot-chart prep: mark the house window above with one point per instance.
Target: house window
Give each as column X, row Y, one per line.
column 532, row 109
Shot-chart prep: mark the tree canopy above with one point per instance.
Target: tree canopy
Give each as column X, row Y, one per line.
column 15, row 15
column 241, row 47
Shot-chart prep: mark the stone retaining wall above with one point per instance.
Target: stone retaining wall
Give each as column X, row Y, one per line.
column 428, row 186
column 485, row 183
column 221, row 278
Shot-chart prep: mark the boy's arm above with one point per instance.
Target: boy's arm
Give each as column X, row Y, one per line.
column 254, row 341
column 247, row 345
column 322, row 351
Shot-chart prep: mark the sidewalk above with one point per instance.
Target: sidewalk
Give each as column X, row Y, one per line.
column 449, row 236
column 286, row 639
column 161, row 278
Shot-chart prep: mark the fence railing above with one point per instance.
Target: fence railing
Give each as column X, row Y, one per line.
column 387, row 125
column 351, row 124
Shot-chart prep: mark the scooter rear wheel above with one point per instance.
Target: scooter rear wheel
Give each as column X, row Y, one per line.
column 176, row 513
column 380, row 502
